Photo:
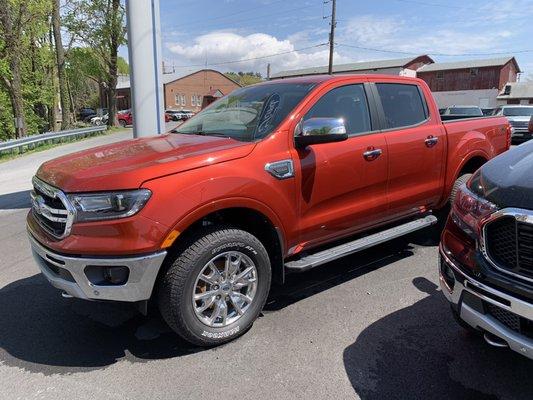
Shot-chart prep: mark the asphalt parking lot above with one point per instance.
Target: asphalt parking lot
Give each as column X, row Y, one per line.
column 370, row 326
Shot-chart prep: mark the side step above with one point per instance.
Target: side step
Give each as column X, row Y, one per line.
column 324, row 256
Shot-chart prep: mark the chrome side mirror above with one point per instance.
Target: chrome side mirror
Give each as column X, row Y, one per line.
column 320, row 130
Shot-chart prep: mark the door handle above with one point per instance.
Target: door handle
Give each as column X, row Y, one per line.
column 431, row 141
column 371, row 155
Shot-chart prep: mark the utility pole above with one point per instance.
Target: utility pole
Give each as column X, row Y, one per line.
column 144, row 50
column 332, row 36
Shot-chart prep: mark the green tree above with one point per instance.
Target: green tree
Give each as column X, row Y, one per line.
column 245, row 78
column 100, row 25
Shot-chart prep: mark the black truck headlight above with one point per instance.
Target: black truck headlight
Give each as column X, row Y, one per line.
column 111, row 205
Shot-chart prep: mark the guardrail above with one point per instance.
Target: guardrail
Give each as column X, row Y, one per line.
column 30, row 142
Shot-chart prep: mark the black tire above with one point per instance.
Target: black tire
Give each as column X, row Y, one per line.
column 176, row 285
column 122, row 123
column 458, row 183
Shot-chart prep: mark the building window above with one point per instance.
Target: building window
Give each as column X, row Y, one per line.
column 474, row 71
column 507, row 90
column 177, row 99
column 183, row 101
column 440, row 74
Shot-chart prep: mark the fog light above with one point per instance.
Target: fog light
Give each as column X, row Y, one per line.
column 102, row 275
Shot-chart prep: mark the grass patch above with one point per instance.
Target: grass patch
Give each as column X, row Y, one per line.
column 51, row 143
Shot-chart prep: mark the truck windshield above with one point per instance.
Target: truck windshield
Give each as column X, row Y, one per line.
column 247, row 114
column 518, row 111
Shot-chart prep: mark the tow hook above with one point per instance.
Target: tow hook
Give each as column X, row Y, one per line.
column 65, row 295
column 494, row 340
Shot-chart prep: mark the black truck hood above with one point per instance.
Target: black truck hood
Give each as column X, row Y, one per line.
column 507, row 180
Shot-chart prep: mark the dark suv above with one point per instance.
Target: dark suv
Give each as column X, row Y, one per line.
column 486, row 252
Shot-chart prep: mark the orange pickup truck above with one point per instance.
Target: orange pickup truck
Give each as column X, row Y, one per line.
column 274, row 178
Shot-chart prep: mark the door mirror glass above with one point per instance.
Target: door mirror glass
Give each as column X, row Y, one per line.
column 320, row 130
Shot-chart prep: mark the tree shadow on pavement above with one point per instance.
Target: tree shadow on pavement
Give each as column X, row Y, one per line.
column 420, row 352
column 15, row 200
column 42, row 332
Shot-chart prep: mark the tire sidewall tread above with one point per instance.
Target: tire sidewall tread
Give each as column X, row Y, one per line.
column 177, row 284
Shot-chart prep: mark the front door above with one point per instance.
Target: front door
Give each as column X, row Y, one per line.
column 343, row 185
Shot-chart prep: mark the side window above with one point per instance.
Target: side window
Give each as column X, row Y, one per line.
column 346, row 102
column 402, row 104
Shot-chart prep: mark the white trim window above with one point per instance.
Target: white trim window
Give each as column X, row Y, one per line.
column 177, row 99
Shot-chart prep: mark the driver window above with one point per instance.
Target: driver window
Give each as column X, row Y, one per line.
column 346, row 102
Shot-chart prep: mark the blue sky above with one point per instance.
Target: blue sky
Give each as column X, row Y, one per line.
column 197, row 32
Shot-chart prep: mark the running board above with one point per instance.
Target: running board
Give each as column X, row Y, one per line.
column 325, row 256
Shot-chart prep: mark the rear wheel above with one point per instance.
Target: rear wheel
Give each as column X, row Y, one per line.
column 122, row 123
column 215, row 289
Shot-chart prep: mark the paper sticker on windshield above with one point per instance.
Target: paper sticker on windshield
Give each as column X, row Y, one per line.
column 267, row 115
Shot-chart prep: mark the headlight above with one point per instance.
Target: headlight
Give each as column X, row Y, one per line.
column 99, row 206
column 469, row 210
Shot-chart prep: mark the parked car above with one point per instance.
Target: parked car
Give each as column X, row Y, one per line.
column 518, row 117
column 486, row 252
column 125, row 118
column 99, row 120
column 274, row 178
column 463, row 111
column 175, row 115
column 86, row 113
column 488, row 110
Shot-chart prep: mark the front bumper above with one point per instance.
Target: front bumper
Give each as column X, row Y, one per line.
column 521, row 135
column 474, row 314
column 69, row 274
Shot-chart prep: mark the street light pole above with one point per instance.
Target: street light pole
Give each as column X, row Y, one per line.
column 144, row 52
column 332, row 36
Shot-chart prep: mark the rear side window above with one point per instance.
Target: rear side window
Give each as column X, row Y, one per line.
column 346, row 102
column 402, row 104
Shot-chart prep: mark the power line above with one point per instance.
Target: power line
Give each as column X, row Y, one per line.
column 435, row 53
column 447, row 6
column 256, row 17
column 252, row 58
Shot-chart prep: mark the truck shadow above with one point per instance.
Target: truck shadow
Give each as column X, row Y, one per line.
column 42, row 332
column 420, row 352
column 15, row 200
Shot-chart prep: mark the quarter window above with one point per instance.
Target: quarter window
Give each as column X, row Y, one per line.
column 402, row 104
column 346, row 102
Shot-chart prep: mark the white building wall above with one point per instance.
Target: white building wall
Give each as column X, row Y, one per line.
column 481, row 98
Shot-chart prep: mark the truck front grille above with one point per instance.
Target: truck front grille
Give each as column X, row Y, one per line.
column 51, row 209
column 519, row 124
column 510, row 320
column 509, row 245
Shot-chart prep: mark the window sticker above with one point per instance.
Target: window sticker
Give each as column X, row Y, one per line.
column 267, row 115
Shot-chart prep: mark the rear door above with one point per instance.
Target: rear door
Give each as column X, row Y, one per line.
column 416, row 143
column 343, row 185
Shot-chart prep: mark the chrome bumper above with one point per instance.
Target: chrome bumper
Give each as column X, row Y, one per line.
column 516, row 341
column 68, row 274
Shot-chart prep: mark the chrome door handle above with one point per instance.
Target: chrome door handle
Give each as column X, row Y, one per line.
column 371, row 155
column 431, row 141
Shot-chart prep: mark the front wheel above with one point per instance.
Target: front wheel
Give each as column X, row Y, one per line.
column 215, row 289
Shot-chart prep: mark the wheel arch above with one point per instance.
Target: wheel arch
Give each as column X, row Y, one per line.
column 246, row 214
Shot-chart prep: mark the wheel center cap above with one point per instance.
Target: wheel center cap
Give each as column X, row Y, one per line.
column 226, row 287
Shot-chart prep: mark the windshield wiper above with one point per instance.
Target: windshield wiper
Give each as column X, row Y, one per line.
column 202, row 133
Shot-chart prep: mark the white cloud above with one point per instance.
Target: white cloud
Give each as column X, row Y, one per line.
column 400, row 35
column 221, row 46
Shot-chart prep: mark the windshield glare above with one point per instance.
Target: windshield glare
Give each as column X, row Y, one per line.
column 249, row 113
column 518, row 111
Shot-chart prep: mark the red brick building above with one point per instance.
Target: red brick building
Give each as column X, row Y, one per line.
column 469, row 75
column 185, row 92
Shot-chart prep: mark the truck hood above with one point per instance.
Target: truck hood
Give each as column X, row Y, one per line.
column 507, row 180
column 127, row 164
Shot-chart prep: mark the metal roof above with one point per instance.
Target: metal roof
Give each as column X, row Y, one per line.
column 359, row 66
column 519, row 90
column 124, row 83
column 489, row 62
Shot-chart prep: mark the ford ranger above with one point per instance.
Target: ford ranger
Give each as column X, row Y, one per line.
column 486, row 262
column 273, row 178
